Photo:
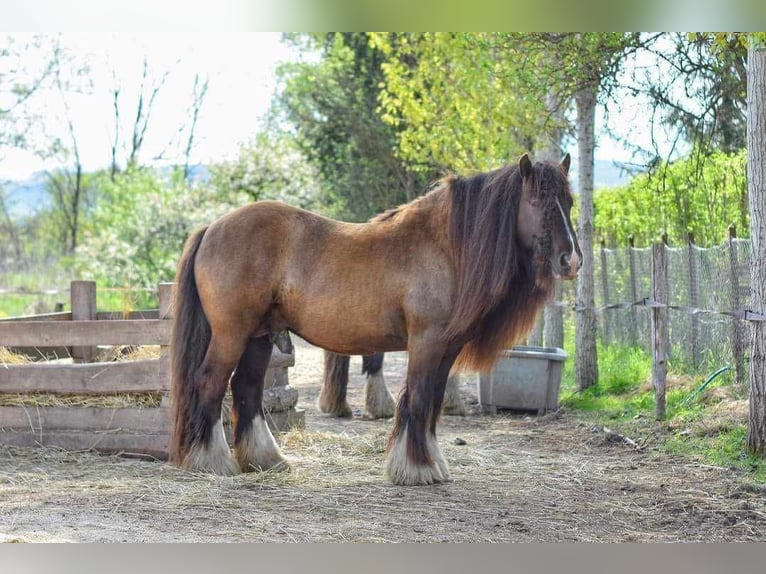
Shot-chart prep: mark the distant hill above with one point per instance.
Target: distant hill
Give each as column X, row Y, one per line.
column 606, row 173
column 609, row 174
column 25, row 197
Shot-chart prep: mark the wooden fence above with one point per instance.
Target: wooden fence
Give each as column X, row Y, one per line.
column 76, row 336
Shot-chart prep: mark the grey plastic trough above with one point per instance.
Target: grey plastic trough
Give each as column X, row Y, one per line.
column 525, row 378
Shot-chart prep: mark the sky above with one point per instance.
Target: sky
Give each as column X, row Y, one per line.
column 241, row 71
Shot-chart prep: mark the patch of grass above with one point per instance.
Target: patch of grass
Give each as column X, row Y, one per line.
column 725, row 448
column 707, row 426
column 622, row 372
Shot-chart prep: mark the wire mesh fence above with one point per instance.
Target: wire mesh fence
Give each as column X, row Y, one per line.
column 708, row 296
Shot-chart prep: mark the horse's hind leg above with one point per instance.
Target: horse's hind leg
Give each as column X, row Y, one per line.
column 254, row 445
column 378, row 401
column 208, row 450
column 414, row 456
column 332, row 395
column 453, row 404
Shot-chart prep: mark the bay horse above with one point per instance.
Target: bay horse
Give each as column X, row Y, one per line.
column 452, row 277
column 378, row 401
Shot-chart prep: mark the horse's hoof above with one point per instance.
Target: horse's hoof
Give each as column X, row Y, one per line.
column 219, row 465
column 341, row 411
column 454, row 409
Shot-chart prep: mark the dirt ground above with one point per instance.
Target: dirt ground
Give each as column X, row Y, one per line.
column 517, row 478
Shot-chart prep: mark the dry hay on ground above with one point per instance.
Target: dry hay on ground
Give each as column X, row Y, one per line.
column 113, row 401
column 517, row 478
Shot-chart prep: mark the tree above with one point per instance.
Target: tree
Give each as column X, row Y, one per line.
column 461, row 101
column 66, row 184
column 331, row 105
column 18, row 83
column 199, row 92
column 586, row 360
column 270, row 167
column 679, row 198
column 698, row 89
column 756, row 171
column 584, row 67
column 444, row 85
column 125, row 242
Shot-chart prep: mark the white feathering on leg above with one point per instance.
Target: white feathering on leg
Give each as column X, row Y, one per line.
column 259, row 450
column 214, row 457
column 378, row 400
column 400, row 470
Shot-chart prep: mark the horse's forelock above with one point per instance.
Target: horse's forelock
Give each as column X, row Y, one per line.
column 550, row 184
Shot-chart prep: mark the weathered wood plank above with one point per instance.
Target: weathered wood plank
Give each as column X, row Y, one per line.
column 155, row 445
column 146, row 420
column 61, row 316
column 139, row 376
column 70, row 333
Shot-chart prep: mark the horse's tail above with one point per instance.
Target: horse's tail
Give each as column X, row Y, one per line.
column 332, row 396
column 188, row 344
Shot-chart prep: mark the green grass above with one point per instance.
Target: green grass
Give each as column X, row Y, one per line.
column 624, row 400
column 39, row 292
column 32, row 293
column 725, row 448
column 622, row 371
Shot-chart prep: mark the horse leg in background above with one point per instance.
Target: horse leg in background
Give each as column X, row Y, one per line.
column 254, row 445
column 206, row 447
column 332, row 395
column 378, row 401
column 414, row 457
column 453, row 403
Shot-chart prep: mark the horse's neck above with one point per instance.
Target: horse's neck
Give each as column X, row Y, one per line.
column 428, row 213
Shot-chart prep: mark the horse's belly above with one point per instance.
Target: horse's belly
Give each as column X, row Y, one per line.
column 348, row 330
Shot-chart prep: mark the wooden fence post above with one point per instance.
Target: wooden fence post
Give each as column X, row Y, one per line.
column 165, row 294
column 605, row 293
column 633, row 292
column 660, row 339
column 694, row 300
column 737, row 336
column 83, row 301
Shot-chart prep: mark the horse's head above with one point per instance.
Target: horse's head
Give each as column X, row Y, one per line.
column 544, row 223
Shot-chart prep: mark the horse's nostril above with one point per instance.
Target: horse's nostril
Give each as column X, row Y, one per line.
column 564, row 261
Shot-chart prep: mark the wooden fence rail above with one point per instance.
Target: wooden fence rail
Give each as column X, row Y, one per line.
column 135, row 429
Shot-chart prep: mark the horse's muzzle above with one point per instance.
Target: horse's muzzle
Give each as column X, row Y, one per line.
column 567, row 266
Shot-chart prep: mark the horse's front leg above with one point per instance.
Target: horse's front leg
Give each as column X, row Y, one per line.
column 414, row 457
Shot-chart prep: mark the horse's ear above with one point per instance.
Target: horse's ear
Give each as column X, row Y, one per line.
column 525, row 166
column 565, row 163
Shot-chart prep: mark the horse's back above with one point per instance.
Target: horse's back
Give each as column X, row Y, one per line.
column 340, row 285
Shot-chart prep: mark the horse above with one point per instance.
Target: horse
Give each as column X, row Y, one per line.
column 378, row 401
column 452, row 277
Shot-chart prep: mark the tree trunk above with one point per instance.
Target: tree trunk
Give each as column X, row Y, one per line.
column 756, row 185
column 586, row 365
column 553, row 315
